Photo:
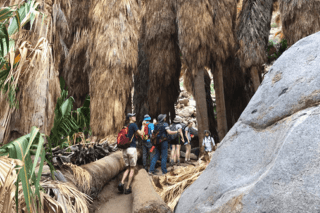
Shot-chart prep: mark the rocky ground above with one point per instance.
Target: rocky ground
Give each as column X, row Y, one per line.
column 186, row 105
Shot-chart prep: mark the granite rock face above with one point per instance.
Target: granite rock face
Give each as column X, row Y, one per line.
column 270, row 160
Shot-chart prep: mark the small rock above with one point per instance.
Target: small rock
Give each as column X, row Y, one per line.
column 192, row 103
column 187, row 112
column 194, row 114
column 184, row 101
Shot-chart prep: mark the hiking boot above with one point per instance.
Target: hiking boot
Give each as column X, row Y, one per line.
column 178, row 163
column 172, row 163
column 121, row 187
column 128, row 191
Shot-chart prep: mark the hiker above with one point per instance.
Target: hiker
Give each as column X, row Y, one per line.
column 176, row 141
column 130, row 154
column 188, row 142
column 206, row 143
column 162, row 143
column 146, row 144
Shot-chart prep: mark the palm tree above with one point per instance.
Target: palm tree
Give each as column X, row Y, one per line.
column 253, row 29
column 188, row 83
column 299, row 19
column 30, row 56
column 71, row 34
column 157, row 77
column 206, row 38
column 113, row 57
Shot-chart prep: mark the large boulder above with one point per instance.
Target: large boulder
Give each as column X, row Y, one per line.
column 269, row 161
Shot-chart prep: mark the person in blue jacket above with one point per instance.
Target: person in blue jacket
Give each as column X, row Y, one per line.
column 146, row 144
column 162, row 144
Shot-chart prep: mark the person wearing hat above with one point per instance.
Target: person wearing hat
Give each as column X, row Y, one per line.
column 162, row 148
column 206, row 143
column 130, row 154
column 146, row 145
column 176, row 142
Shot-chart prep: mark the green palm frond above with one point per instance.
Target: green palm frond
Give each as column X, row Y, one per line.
column 22, row 149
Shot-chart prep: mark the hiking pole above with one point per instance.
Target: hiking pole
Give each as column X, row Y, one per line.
column 152, row 148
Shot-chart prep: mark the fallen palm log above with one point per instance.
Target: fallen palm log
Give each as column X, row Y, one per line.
column 171, row 185
column 192, row 156
column 91, row 178
column 83, row 153
column 145, row 198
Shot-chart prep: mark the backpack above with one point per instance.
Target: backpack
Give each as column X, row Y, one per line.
column 146, row 134
column 173, row 127
column 123, row 142
column 147, row 131
column 156, row 137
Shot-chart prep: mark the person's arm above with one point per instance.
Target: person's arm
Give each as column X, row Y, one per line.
column 140, row 132
column 187, row 135
column 181, row 134
column 212, row 140
column 151, row 129
column 173, row 132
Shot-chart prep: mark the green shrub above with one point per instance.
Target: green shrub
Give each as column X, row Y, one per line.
column 274, row 55
column 274, row 25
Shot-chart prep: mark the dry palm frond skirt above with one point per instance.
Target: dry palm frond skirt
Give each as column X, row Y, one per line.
column 171, row 185
column 56, row 197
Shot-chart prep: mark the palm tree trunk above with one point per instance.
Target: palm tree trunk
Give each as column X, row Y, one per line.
column 101, row 171
column 255, row 77
column 210, row 109
column 221, row 108
column 145, row 198
column 201, row 104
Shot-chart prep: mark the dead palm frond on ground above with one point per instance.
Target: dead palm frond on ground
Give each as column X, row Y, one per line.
column 171, row 185
column 70, row 199
column 8, row 178
column 30, row 198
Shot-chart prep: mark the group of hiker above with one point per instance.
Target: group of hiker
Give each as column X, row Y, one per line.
column 156, row 139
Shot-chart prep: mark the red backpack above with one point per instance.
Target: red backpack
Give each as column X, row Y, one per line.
column 146, row 132
column 123, row 142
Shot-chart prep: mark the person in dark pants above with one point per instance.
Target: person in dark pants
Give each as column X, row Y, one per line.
column 146, row 144
column 162, row 147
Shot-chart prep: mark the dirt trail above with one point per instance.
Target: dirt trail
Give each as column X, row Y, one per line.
column 111, row 201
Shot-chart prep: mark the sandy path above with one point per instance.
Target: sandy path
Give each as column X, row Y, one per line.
column 111, row 201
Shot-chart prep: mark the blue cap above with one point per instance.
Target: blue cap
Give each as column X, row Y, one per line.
column 147, row 118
